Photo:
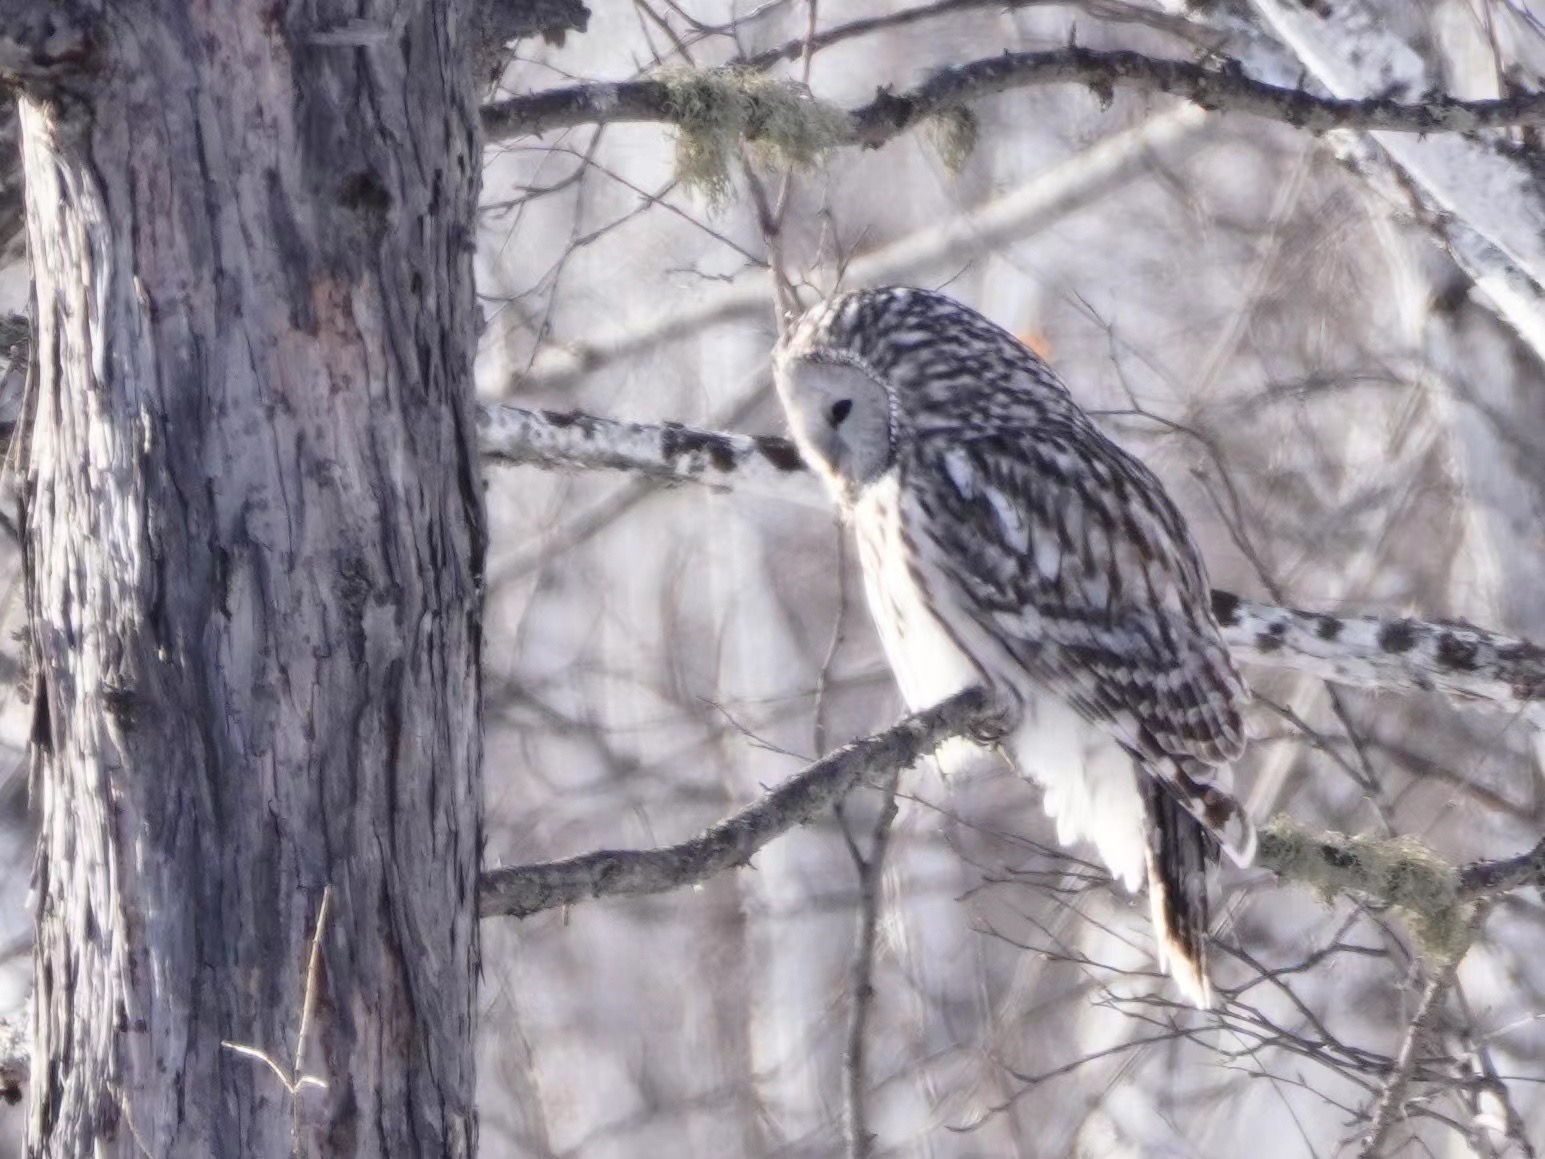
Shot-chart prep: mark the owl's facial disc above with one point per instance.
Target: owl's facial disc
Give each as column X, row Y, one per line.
column 840, row 415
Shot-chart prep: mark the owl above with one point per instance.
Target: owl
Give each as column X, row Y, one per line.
column 1006, row 542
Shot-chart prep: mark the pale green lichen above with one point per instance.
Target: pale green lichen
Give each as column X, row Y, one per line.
column 954, row 133
column 714, row 111
column 1396, row 871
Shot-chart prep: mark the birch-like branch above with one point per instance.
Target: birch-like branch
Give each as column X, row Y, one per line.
column 1393, row 654
column 687, row 100
column 1503, row 194
column 518, row 891
column 1493, row 188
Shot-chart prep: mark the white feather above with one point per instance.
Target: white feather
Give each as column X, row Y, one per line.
column 1089, row 784
column 929, row 666
column 1088, row 779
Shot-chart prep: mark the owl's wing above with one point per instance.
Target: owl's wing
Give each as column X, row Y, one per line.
column 1065, row 551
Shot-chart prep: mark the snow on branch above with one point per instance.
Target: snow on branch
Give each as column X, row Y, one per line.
column 1395, row 654
column 521, row 890
column 781, row 114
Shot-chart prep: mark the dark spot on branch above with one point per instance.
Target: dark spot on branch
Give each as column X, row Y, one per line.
column 1456, row 653
column 1225, row 608
column 677, row 441
column 780, row 453
column 1270, row 639
column 1337, row 858
column 1397, row 636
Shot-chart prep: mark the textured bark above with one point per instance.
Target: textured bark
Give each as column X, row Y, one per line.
column 255, row 536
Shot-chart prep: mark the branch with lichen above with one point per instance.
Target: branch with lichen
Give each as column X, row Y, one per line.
column 714, row 108
column 1430, row 894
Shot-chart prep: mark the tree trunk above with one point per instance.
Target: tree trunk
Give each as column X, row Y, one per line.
column 254, row 552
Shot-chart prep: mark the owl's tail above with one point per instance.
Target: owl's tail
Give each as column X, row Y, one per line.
column 1179, row 849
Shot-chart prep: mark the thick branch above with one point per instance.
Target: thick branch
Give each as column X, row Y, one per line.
column 518, row 891
column 1439, row 899
column 1224, row 88
column 1397, row 872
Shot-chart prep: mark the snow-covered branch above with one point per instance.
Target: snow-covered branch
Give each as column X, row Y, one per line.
column 698, row 101
column 1395, row 654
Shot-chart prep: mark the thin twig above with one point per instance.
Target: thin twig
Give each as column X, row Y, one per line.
column 860, row 1139
column 1391, row 1102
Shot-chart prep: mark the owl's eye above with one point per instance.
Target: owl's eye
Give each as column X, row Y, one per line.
column 839, row 411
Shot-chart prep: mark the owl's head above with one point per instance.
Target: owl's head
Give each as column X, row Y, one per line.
column 841, row 412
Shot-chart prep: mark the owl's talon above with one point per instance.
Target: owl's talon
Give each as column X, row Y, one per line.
column 993, row 726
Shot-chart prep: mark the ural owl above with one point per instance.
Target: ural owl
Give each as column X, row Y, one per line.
column 1005, row 541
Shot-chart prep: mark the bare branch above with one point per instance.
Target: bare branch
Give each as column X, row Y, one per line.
column 1109, row 13
column 1391, row 1101
column 1221, row 88
column 519, row 891
column 1492, row 188
column 1488, row 878
column 855, row 1059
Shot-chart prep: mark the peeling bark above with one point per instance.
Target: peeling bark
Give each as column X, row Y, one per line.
column 254, row 547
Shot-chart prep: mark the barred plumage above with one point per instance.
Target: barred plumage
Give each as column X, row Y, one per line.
column 1005, row 540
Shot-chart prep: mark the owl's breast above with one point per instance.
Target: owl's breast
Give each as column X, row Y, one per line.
column 929, row 664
